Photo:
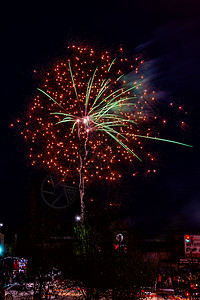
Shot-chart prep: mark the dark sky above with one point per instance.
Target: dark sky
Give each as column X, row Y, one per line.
column 167, row 32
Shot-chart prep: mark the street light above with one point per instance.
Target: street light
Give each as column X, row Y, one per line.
column 77, row 218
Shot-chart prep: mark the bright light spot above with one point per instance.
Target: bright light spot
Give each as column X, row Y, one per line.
column 77, row 218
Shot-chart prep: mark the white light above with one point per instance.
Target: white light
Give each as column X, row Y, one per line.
column 77, row 218
column 1, row 224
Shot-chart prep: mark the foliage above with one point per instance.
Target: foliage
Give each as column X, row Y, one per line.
column 103, row 271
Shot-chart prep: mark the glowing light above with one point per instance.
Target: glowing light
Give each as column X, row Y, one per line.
column 78, row 218
column 1, row 250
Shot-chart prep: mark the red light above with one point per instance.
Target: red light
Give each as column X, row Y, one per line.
column 115, row 246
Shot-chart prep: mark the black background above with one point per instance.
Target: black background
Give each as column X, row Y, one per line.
column 166, row 32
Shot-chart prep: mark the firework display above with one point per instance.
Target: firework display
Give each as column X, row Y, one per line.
column 92, row 114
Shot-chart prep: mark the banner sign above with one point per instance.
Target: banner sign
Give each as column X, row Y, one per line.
column 192, row 245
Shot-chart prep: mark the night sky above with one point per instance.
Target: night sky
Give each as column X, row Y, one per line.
column 165, row 32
